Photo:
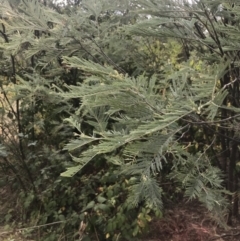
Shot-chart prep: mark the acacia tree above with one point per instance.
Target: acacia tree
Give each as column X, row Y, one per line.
column 144, row 124
column 34, row 39
column 210, row 28
column 154, row 118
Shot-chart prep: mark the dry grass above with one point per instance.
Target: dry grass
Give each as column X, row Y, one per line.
column 7, row 235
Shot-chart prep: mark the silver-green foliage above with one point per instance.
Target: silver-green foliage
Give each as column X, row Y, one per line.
column 134, row 126
column 134, row 122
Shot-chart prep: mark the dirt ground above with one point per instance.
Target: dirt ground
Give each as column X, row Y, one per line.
column 184, row 222
column 190, row 222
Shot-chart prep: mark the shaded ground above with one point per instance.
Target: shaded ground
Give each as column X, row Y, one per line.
column 190, row 222
column 184, row 222
column 8, row 205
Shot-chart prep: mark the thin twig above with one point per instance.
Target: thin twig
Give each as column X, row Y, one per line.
column 96, row 233
column 43, row 225
column 37, row 226
column 224, row 235
column 108, row 58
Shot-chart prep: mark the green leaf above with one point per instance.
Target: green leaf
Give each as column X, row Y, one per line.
column 71, row 171
column 89, row 205
column 103, row 207
column 101, row 199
